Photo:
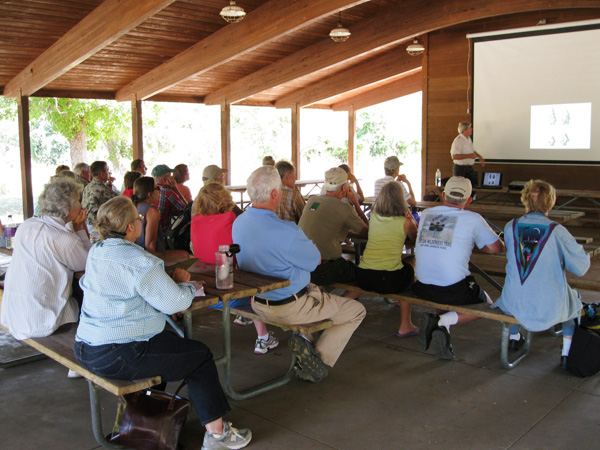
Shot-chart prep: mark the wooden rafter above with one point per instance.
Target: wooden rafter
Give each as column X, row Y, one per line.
column 399, row 88
column 387, row 65
column 109, row 21
column 263, row 25
column 394, row 25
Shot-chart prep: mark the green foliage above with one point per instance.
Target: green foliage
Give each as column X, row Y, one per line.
column 46, row 146
column 326, row 147
column 373, row 137
column 8, row 108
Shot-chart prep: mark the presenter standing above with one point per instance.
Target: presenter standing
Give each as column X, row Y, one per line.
column 463, row 154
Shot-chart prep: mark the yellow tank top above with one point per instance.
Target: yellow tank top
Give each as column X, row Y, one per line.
column 385, row 244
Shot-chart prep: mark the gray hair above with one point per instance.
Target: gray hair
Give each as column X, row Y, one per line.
column 462, row 126
column 59, row 197
column 66, row 173
column 268, row 160
column 262, row 182
column 390, row 202
column 80, row 167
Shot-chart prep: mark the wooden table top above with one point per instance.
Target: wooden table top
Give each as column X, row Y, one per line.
column 577, row 193
column 245, row 284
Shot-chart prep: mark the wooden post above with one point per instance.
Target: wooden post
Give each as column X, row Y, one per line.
column 425, row 122
column 137, row 128
column 296, row 138
column 226, row 139
column 351, row 136
column 25, row 150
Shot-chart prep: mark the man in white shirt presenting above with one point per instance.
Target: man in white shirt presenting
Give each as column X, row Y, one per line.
column 463, row 154
column 445, row 241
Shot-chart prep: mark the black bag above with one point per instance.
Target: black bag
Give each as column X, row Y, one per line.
column 584, row 355
column 431, row 196
column 152, row 420
column 178, row 234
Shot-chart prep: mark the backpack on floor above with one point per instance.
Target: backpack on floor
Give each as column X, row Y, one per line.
column 584, row 355
column 178, row 234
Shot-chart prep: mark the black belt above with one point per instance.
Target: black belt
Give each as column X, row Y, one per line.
column 283, row 301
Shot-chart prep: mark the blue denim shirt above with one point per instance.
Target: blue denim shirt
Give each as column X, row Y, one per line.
column 127, row 294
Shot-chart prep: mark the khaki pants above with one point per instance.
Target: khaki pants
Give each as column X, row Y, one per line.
column 314, row 306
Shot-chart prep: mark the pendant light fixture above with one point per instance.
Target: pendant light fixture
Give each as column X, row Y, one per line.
column 415, row 49
column 340, row 34
column 232, row 13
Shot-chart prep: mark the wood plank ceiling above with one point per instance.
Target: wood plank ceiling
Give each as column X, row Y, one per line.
column 279, row 55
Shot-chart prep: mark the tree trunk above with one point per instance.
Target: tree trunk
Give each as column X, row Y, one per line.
column 79, row 147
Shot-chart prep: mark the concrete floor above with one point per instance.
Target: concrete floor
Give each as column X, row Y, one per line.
column 383, row 394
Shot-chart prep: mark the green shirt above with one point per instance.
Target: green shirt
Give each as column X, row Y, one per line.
column 385, row 244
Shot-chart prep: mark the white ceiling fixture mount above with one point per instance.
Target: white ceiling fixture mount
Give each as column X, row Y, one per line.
column 339, row 34
column 415, row 49
column 232, row 13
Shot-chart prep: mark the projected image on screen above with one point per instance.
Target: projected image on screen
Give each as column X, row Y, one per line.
column 562, row 126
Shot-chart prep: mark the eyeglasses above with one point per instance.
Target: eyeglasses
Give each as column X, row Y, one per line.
column 157, row 188
column 141, row 217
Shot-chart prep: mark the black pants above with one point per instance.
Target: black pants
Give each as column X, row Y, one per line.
column 467, row 172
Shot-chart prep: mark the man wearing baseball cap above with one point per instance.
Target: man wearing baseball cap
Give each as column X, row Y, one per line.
column 213, row 174
column 326, row 220
column 171, row 201
column 391, row 166
column 445, row 240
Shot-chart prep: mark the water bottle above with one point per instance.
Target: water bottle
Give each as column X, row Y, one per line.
column 438, row 178
column 224, row 268
column 10, row 230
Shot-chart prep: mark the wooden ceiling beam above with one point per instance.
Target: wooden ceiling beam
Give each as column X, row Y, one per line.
column 399, row 88
column 389, row 64
column 261, row 26
column 105, row 24
column 394, row 25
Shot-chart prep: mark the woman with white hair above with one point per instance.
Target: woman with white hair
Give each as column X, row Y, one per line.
column 38, row 292
column 121, row 333
column 539, row 252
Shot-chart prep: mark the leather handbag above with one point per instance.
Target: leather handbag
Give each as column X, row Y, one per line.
column 152, row 420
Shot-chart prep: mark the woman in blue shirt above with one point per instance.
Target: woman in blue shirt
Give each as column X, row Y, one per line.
column 121, row 331
column 539, row 251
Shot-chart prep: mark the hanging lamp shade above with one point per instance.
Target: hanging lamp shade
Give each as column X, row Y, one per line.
column 232, row 13
column 415, row 49
column 340, row 34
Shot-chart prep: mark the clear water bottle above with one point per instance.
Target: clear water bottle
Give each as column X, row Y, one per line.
column 224, row 268
column 10, row 230
column 438, row 178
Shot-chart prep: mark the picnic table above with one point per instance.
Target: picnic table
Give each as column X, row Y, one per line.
column 245, row 284
column 576, row 194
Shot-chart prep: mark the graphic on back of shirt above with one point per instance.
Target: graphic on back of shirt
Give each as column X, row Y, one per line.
column 437, row 231
column 529, row 241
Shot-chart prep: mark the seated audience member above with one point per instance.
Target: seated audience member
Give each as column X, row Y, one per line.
column 213, row 174
column 121, row 333
column 145, row 195
column 181, row 175
column 268, row 161
column 98, row 191
column 38, row 291
column 60, row 168
column 212, row 220
column 171, row 202
column 67, row 174
column 138, row 165
column 539, row 252
column 358, row 193
column 382, row 268
column 82, row 170
column 326, row 221
column 292, row 203
column 391, row 167
column 446, row 237
column 128, row 180
column 271, row 246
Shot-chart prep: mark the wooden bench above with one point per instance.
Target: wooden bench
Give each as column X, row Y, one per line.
column 481, row 310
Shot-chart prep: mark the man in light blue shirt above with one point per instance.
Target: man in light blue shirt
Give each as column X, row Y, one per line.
column 271, row 246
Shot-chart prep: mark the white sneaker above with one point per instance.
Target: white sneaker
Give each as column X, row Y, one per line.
column 242, row 321
column 73, row 374
column 264, row 345
column 232, row 438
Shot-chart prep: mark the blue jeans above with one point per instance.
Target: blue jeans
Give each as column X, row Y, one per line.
column 168, row 356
